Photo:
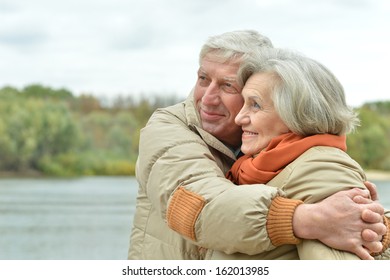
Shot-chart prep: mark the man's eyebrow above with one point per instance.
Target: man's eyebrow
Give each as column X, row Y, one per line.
column 200, row 70
column 230, row 79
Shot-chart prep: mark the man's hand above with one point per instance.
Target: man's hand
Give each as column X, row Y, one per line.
column 371, row 187
column 369, row 216
column 337, row 221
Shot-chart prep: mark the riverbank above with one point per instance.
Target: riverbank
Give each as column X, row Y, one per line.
column 375, row 175
column 25, row 174
column 378, row 175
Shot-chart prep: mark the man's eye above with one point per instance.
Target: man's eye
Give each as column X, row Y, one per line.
column 202, row 81
column 229, row 88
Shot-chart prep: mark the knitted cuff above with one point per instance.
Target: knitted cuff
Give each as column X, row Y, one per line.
column 183, row 211
column 279, row 221
column 386, row 237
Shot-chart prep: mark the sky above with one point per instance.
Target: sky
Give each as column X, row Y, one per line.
column 111, row 48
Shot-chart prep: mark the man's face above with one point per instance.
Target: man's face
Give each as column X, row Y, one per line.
column 218, row 99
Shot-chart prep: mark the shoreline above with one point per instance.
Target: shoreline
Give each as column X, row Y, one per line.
column 377, row 175
column 372, row 175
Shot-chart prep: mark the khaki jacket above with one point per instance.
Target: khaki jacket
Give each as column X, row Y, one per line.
column 178, row 159
column 315, row 175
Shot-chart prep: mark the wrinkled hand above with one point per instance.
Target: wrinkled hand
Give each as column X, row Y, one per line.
column 371, row 187
column 369, row 216
column 341, row 223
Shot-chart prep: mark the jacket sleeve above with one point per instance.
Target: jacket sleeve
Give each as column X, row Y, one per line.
column 315, row 250
column 318, row 174
column 190, row 191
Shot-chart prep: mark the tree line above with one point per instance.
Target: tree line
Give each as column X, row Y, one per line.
column 52, row 132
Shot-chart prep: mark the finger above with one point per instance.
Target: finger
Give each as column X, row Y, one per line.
column 372, row 189
column 375, row 207
column 361, row 200
column 357, row 191
column 363, row 253
column 374, row 247
column 369, row 235
column 378, row 228
column 371, row 217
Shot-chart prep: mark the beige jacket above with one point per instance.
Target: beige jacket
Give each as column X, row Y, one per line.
column 315, row 175
column 185, row 204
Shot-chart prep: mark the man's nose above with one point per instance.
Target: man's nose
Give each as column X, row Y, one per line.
column 211, row 95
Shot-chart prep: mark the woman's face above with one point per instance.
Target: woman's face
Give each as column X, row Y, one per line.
column 258, row 118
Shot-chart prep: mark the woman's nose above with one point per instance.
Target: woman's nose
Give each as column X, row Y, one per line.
column 241, row 118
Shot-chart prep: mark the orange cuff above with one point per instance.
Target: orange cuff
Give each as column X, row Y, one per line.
column 183, row 211
column 279, row 221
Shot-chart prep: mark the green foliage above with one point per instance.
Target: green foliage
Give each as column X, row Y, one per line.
column 33, row 128
column 86, row 164
column 39, row 91
column 370, row 144
column 50, row 131
column 9, row 93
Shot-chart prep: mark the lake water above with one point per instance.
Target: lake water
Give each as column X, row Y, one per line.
column 84, row 218
column 81, row 219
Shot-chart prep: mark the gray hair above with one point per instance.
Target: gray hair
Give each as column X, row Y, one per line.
column 234, row 45
column 306, row 95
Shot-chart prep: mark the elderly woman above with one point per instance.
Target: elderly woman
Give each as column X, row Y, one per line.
column 294, row 121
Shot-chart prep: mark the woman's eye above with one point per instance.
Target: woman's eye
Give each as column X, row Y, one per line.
column 256, row 105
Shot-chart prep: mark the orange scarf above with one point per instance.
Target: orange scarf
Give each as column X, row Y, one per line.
column 281, row 151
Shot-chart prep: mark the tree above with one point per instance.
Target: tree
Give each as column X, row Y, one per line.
column 39, row 91
column 32, row 129
column 370, row 145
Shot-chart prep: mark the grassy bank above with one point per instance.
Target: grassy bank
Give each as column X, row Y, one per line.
column 375, row 175
column 378, row 175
